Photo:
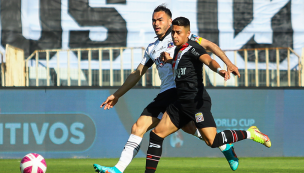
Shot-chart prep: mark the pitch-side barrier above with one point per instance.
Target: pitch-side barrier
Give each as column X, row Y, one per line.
column 259, row 67
column 2, row 66
column 89, row 65
column 279, row 72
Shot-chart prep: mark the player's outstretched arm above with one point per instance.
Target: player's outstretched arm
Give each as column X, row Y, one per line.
column 213, row 65
column 130, row 82
column 212, row 47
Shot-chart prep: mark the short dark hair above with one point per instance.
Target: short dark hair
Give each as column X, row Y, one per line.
column 163, row 8
column 181, row 21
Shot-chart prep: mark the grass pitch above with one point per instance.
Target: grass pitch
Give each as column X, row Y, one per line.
column 170, row 165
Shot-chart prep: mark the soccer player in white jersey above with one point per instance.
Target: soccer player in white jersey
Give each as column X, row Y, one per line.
column 151, row 115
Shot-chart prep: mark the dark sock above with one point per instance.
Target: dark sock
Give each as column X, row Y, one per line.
column 228, row 136
column 154, row 152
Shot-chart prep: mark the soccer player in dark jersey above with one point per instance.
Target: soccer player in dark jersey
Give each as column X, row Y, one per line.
column 193, row 102
column 151, row 115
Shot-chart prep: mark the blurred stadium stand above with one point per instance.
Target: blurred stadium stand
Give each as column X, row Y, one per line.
column 62, row 40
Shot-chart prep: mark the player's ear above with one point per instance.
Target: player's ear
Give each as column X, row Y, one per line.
column 188, row 33
column 170, row 21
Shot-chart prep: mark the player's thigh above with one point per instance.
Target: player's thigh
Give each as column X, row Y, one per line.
column 189, row 128
column 208, row 134
column 143, row 124
column 165, row 127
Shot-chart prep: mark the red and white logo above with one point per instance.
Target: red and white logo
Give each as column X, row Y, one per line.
column 199, row 117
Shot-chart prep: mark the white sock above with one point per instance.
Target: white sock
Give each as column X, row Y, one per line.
column 223, row 147
column 198, row 135
column 248, row 135
column 129, row 152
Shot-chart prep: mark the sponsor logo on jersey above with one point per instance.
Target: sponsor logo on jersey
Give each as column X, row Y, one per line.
column 199, row 117
column 161, row 48
column 194, row 52
column 180, row 72
column 170, row 45
column 196, row 38
column 154, row 145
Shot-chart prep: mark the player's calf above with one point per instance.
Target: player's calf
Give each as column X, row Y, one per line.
column 154, row 152
column 227, row 136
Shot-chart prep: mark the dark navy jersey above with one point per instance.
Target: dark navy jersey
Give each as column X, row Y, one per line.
column 152, row 55
column 188, row 70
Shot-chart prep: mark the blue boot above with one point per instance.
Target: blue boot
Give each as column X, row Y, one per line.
column 103, row 169
column 231, row 156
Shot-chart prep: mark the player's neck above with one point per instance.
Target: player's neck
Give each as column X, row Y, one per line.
column 168, row 31
column 160, row 37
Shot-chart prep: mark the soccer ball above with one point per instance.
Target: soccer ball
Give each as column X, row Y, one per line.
column 33, row 163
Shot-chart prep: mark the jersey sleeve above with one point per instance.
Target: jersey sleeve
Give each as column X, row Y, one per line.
column 197, row 50
column 147, row 61
column 195, row 38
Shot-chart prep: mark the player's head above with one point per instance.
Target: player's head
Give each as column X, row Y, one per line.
column 180, row 31
column 161, row 20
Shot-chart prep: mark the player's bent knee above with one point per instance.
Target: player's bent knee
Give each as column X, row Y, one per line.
column 156, row 131
column 138, row 130
column 209, row 142
column 159, row 132
column 217, row 141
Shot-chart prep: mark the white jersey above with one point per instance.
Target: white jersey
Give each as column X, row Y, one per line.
column 152, row 55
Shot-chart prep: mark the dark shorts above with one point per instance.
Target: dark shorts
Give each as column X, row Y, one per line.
column 160, row 103
column 182, row 112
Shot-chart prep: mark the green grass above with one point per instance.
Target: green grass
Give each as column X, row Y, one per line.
column 170, row 165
